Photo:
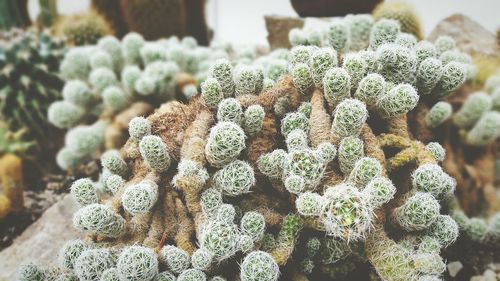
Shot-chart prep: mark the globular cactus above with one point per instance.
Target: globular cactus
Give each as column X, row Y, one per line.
column 436, row 150
column 137, row 263
column 438, row 114
column 350, row 150
column 346, row 213
column 384, row 31
column 444, row 229
column 211, row 92
column 259, row 266
column 486, row 130
column 225, row 142
column 155, row 153
column 83, row 28
column 380, row 190
column 192, row 275
column 84, row 192
column 359, row 29
column 253, row 119
column 399, row 100
column 253, row 224
column 472, row 109
column 337, row 85
column 370, row 89
column 431, row 178
column 322, row 60
column 417, row 213
column 397, row 63
column 176, row 260
column 356, row 66
column 92, row 263
column 309, row 204
column 201, row 259
column 349, row 117
column 100, row 219
column 139, row 127
column 70, row 252
column 140, row 198
column 235, row 179
column 229, row 110
column 338, row 36
column 302, row 78
column 222, row 70
column 220, row 239
column 272, row 164
column 364, row 170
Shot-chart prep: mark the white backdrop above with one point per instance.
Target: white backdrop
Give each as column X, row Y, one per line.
column 241, row 21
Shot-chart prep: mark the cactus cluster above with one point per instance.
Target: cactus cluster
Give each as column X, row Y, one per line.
column 276, row 169
column 29, row 63
column 114, row 81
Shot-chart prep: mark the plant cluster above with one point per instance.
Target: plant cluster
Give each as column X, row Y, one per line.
column 298, row 164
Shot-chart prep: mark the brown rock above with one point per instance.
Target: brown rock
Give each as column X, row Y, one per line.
column 40, row 242
column 278, row 28
column 471, row 37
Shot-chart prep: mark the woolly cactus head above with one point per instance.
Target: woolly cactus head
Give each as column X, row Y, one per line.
column 350, row 150
column 429, row 263
column 70, row 252
column 338, row 36
column 64, row 114
column 165, row 276
column 225, row 142
column 226, row 213
column 176, row 259
column 397, row 63
column 100, row 219
column 452, row 77
column 259, row 266
column 137, row 263
column 370, row 89
column 438, row 114
column 428, row 74
column 475, row 229
column 201, row 259
column 192, row 275
column 253, row 225
column 444, row 43
column 132, row 44
column 424, row 50
column 444, row 229
column 222, row 70
column 140, row 198
column 302, row 165
column 431, row 178
column 115, row 98
column 309, row 204
column 220, row 239
column 92, row 263
column 155, row 153
column 248, row 80
column 113, row 47
column 210, row 199
column 472, row 109
column 110, row 274
column 302, row 78
column 406, row 40
column 297, row 37
column 139, row 127
column 101, row 78
column 229, row 110
column 380, row 190
column 271, row 164
column 326, row 152
column 253, row 119
column 113, row 162
column 211, row 91
column 300, row 54
column 436, row 150
column 336, row 85
column 417, row 213
column 365, row 169
column 30, row 271
column 399, row 100
column 349, row 117
column 313, row 246
column 113, row 183
column 77, row 93
column 129, row 76
column 384, row 31
column 356, row 66
column 76, row 64
column 292, row 121
column 245, row 243
column 322, row 60
column 99, row 59
column 296, row 139
column 486, row 130
column 84, row 192
column 359, row 27
column 346, row 213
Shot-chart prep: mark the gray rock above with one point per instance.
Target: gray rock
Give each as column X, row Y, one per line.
column 278, row 28
column 454, row 268
column 41, row 241
column 471, row 37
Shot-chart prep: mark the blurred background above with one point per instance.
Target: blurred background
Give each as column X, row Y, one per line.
column 233, row 21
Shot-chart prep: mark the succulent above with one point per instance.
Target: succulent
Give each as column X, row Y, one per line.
column 84, row 28
column 137, row 263
column 259, row 266
column 404, row 13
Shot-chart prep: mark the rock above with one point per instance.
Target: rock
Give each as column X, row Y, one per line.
column 490, row 275
column 278, row 28
column 41, row 241
column 471, row 37
column 454, row 268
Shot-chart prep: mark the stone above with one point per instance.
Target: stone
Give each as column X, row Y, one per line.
column 41, row 241
column 471, row 37
column 454, row 268
column 278, row 28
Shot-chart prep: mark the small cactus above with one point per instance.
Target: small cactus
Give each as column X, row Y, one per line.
column 259, row 266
